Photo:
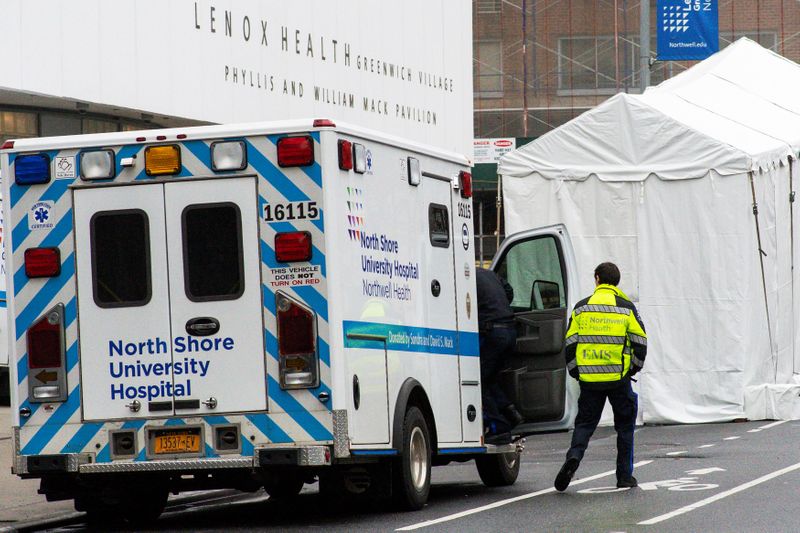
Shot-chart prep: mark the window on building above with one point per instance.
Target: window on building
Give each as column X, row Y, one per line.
column 96, row 125
column 767, row 39
column 17, row 124
column 489, row 7
column 488, row 69
column 589, row 64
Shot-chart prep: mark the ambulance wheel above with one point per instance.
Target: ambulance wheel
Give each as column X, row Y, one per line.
column 98, row 514
column 283, row 487
column 144, row 506
column 499, row 469
column 411, row 474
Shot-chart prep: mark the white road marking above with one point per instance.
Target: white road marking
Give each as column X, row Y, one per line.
column 732, row 438
column 773, row 424
column 753, row 430
column 703, row 471
column 706, row 445
column 678, row 453
column 720, row 496
column 501, row 503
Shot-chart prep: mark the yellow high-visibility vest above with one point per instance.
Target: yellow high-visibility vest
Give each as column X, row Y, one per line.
column 603, row 331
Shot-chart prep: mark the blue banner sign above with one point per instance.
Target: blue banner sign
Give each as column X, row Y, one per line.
column 687, row 29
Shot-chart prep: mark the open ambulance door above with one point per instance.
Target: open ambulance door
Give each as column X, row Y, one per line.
column 540, row 266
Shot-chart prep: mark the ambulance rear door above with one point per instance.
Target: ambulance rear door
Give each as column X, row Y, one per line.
column 169, row 298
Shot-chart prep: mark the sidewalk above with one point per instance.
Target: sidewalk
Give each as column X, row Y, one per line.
column 19, row 501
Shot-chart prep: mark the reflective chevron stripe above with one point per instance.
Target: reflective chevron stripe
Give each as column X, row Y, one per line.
column 595, row 308
column 601, row 339
column 601, row 369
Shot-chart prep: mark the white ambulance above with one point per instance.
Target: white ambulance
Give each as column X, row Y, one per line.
column 260, row 306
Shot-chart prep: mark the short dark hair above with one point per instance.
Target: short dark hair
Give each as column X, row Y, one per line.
column 607, row 273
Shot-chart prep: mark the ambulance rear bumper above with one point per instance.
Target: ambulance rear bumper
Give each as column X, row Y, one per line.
column 83, row 463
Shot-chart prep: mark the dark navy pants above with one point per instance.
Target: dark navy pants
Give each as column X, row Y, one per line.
column 496, row 345
column 624, row 403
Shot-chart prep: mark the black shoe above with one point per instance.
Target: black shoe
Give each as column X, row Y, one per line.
column 565, row 474
column 498, row 438
column 627, row 483
column 513, row 416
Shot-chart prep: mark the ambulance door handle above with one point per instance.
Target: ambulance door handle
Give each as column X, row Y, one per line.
column 202, row 326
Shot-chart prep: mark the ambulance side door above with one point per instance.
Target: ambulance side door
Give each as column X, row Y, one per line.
column 540, row 266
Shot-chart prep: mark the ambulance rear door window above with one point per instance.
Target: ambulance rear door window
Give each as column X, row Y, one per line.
column 120, row 258
column 212, row 252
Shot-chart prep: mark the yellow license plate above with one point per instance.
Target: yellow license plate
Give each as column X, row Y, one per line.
column 178, row 442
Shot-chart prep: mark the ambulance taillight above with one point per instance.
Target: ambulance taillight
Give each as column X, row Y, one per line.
column 297, row 344
column 293, row 246
column 345, row 155
column 42, row 262
column 45, row 339
column 465, row 184
column 296, row 151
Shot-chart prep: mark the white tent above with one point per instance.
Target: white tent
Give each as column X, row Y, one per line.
column 688, row 188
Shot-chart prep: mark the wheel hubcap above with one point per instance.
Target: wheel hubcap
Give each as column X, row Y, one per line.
column 418, row 455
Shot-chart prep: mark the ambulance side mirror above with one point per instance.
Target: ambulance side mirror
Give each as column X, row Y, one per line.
column 545, row 295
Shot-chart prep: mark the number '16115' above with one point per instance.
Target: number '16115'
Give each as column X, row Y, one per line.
column 291, row 211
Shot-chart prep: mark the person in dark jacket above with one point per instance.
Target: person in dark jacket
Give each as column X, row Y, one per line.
column 606, row 344
column 498, row 336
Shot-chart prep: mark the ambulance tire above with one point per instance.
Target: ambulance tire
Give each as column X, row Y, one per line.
column 100, row 516
column 144, row 506
column 499, row 469
column 411, row 473
column 283, row 487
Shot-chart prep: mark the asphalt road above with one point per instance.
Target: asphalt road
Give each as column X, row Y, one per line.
column 716, row 477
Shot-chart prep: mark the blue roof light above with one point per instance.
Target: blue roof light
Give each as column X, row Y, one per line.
column 30, row 169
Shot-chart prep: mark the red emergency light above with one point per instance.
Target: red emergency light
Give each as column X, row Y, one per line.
column 296, row 151
column 293, row 246
column 42, row 262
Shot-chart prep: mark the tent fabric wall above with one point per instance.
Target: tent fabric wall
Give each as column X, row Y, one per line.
column 665, row 185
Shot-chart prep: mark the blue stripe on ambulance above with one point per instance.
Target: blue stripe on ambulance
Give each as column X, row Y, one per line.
column 59, row 417
column 125, row 152
column 269, row 428
column 295, row 409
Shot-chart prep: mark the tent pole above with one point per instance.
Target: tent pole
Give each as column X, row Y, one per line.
column 761, row 255
column 791, row 251
column 499, row 209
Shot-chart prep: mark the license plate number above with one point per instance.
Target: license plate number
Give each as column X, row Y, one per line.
column 183, row 442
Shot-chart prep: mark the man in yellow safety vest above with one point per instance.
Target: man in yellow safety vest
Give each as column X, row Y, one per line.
column 606, row 344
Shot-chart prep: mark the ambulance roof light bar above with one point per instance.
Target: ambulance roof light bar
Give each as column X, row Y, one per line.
column 8, row 145
column 324, row 123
